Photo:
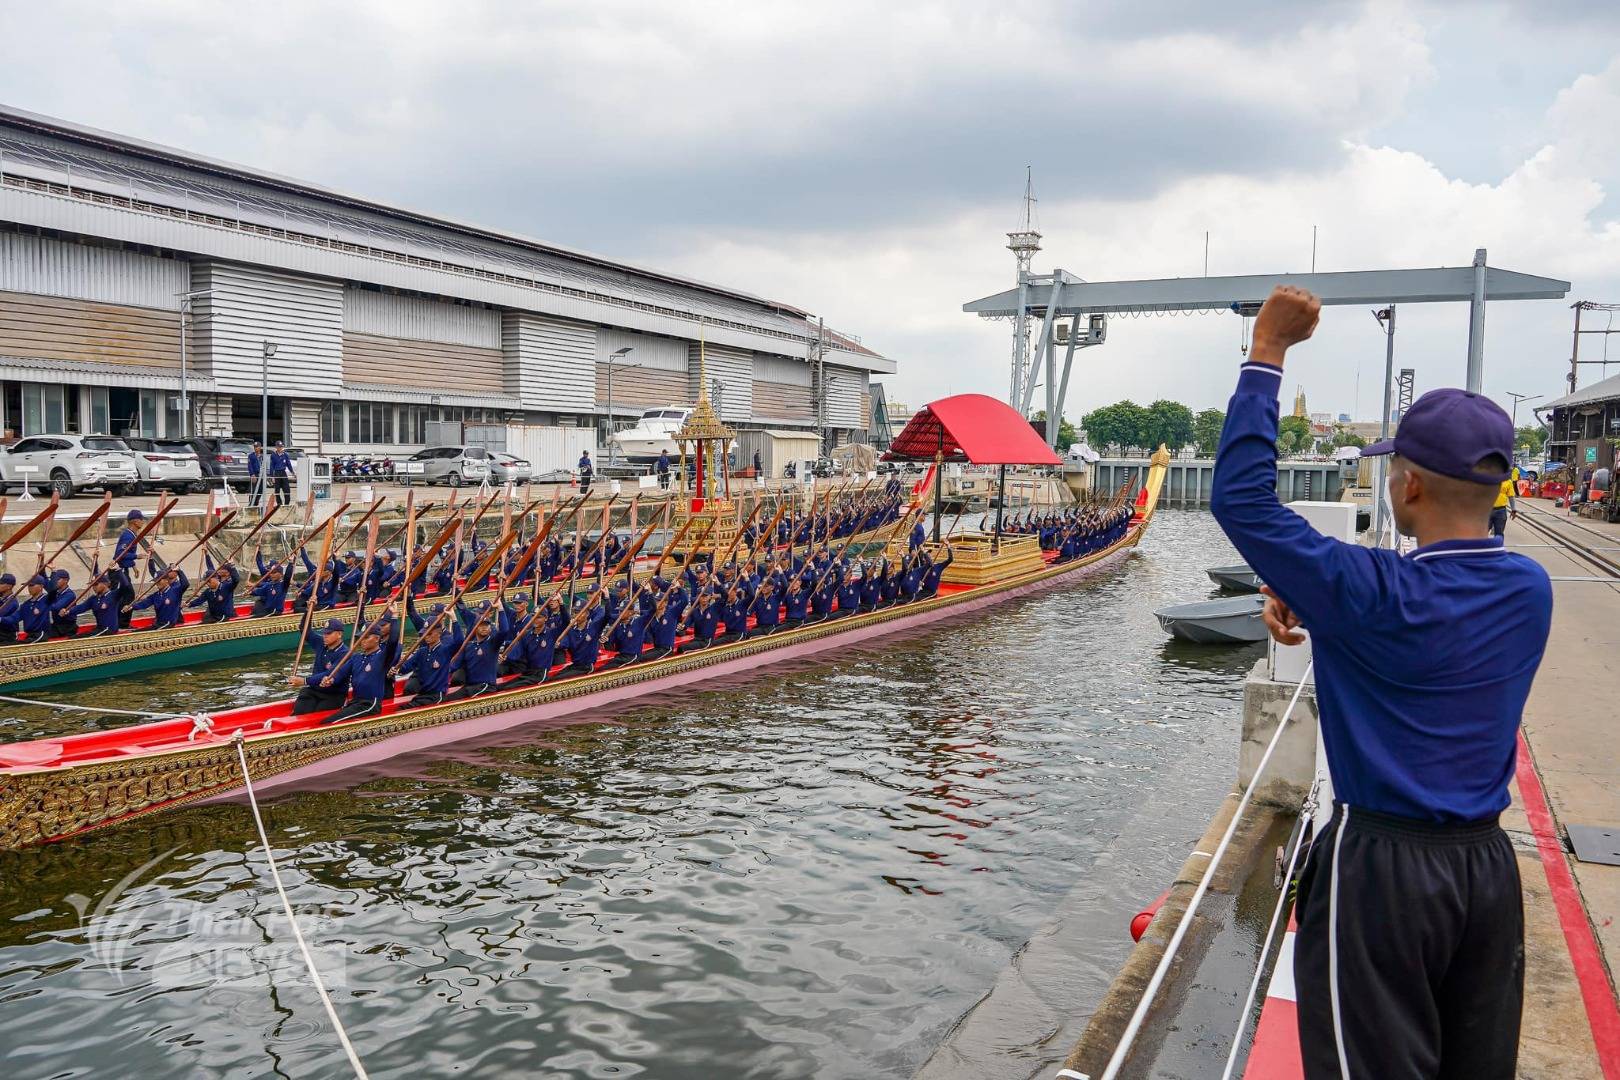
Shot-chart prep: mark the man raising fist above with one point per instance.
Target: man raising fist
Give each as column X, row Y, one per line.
column 1409, row 960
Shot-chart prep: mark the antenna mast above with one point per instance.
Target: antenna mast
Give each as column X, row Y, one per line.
column 1023, row 243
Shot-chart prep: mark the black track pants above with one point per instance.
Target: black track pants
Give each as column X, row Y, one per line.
column 1409, row 960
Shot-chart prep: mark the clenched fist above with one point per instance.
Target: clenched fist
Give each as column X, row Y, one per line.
column 1286, row 318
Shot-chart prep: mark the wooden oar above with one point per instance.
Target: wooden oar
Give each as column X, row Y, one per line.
column 290, row 559
column 22, row 534
column 84, row 527
column 224, row 520
column 481, row 572
column 839, row 558
column 505, row 583
column 769, row 530
column 365, row 580
column 314, row 595
column 50, row 515
column 164, row 506
column 731, row 549
column 635, row 593
column 264, row 519
column 376, row 504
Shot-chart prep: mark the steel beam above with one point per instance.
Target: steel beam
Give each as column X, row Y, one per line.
column 1368, row 287
column 1028, row 397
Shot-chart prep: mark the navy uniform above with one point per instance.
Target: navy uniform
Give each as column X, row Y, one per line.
column 8, row 609
column 326, row 649
column 365, row 672
column 480, row 660
column 1409, row 960
column 218, row 595
column 586, row 472
column 124, row 555
column 102, row 603
column 34, row 611
column 64, row 621
column 270, row 591
column 281, row 473
column 255, row 466
column 662, row 468
column 166, row 599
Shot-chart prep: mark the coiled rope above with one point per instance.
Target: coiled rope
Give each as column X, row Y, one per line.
column 286, row 905
column 1134, row 1028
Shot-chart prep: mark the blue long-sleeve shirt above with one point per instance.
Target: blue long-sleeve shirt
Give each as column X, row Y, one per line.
column 165, row 602
column 1423, row 662
column 103, row 605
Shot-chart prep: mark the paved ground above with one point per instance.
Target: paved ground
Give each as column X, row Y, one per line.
column 1571, row 728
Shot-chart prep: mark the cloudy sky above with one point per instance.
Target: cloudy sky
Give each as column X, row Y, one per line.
column 864, row 161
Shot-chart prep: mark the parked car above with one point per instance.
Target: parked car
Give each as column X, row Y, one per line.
column 505, row 468
column 165, row 463
column 224, row 459
column 68, row 464
column 453, row 465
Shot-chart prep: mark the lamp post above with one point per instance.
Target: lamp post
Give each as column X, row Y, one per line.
column 267, row 350
column 614, row 357
column 186, row 299
column 1518, row 398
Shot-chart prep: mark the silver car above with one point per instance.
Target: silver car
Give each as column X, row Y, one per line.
column 165, row 463
column 505, row 468
column 68, row 464
column 453, row 465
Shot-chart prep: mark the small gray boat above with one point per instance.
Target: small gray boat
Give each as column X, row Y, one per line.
column 1238, row 578
column 1232, row 620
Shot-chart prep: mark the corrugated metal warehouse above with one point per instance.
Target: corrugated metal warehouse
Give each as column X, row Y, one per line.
column 140, row 284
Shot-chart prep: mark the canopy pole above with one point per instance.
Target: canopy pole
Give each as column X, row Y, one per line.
column 939, row 480
column 1001, row 505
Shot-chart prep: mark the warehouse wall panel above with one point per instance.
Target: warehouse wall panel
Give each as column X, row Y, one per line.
column 732, row 367
column 384, row 314
column 651, row 351
column 549, row 363
column 782, row 369
column 38, row 264
column 781, row 401
column 56, row 328
column 373, row 360
column 249, row 305
column 640, row 387
column 844, row 391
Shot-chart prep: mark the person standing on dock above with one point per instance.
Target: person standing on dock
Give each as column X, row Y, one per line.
column 1506, row 504
column 662, row 469
column 256, row 472
column 1409, row 959
column 586, row 472
column 281, row 470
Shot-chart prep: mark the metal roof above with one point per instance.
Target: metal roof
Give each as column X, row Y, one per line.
column 1605, row 390
column 88, row 373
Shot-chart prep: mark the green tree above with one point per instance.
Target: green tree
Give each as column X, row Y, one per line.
column 1207, row 431
column 1170, row 423
column 1294, row 435
column 1067, row 436
column 1122, row 424
column 1530, row 437
column 1348, row 438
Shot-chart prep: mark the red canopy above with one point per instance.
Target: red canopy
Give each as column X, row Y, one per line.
column 972, row 428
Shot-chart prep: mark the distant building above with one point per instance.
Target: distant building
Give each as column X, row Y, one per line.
column 1299, row 402
column 1585, row 425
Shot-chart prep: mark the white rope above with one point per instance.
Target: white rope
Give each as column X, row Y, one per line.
column 286, row 905
column 1128, row 1039
column 1305, row 811
column 97, row 709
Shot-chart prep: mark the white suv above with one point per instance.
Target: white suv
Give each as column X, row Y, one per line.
column 69, row 463
column 453, row 465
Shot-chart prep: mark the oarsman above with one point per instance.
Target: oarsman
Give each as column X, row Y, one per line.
column 629, row 638
column 351, row 578
column 166, row 599
column 1409, row 960
column 34, row 612
column 329, row 584
column 9, row 599
column 934, row 572
column 534, row 652
column 427, row 670
column 584, row 639
column 270, row 591
column 218, row 593
column 849, row 594
column 364, row 672
column 102, row 603
column 767, row 606
column 480, row 656
column 124, row 555
column 64, row 624
column 281, row 473
column 326, row 647
column 704, row 618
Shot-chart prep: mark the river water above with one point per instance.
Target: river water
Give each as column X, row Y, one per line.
column 813, row 872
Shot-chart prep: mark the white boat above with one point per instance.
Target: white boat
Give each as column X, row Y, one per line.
column 653, row 434
column 1231, row 620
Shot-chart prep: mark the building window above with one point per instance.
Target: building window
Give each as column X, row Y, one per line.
column 382, row 423
column 332, row 422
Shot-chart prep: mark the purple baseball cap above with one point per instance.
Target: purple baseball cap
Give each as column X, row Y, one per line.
column 1451, row 432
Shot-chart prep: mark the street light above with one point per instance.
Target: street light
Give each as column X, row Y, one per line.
column 268, row 349
column 186, row 299
column 1518, row 398
column 616, row 355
